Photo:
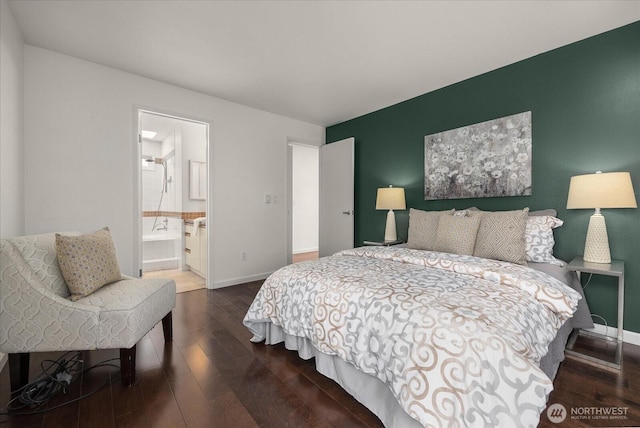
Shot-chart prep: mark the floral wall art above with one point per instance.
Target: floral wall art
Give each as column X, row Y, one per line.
column 488, row 159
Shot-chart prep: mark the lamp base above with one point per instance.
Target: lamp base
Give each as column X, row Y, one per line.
column 596, row 247
column 390, row 233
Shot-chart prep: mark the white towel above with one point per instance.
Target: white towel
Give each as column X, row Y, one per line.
column 196, row 224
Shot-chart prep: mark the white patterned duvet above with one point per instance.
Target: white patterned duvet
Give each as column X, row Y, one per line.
column 457, row 339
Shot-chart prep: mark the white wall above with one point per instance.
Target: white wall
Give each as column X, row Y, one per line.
column 172, row 199
column 306, row 182
column 152, row 176
column 190, row 144
column 11, row 125
column 79, row 143
column 194, row 147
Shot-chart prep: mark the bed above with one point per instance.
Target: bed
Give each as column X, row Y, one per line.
column 426, row 337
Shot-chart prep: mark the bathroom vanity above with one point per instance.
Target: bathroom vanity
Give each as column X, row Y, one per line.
column 195, row 239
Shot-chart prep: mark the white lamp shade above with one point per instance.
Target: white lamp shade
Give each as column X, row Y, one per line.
column 390, row 198
column 601, row 190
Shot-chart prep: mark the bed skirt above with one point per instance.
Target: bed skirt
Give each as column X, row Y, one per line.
column 374, row 394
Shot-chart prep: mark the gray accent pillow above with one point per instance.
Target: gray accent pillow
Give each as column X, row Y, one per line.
column 539, row 213
column 457, row 234
column 423, row 227
column 501, row 236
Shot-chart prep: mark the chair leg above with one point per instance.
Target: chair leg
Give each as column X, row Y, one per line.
column 167, row 327
column 128, row 366
column 18, row 370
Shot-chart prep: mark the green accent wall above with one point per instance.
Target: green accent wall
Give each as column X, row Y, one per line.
column 585, row 104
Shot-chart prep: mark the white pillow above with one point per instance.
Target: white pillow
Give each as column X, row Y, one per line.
column 539, row 240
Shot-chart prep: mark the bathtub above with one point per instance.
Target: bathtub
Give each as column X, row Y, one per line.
column 162, row 235
column 162, row 249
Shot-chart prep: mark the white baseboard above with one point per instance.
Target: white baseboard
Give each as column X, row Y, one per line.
column 240, row 280
column 3, row 360
column 628, row 336
column 305, row 250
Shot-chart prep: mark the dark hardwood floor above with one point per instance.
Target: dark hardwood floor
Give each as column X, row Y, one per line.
column 212, row 376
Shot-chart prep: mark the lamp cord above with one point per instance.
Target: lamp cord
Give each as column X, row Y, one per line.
column 588, row 281
column 606, row 325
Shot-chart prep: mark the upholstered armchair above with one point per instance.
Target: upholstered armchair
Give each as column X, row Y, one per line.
column 37, row 313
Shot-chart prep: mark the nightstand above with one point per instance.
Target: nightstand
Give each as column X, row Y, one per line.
column 383, row 243
column 615, row 269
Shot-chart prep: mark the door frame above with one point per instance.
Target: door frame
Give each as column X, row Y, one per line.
column 290, row 143
column 137, row 184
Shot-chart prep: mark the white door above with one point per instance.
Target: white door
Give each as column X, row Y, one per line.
column 336, row 196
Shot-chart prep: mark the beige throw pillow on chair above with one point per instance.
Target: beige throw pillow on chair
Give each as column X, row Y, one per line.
column 87, row 262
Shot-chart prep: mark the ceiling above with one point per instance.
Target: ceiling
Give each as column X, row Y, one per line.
column 322, row 62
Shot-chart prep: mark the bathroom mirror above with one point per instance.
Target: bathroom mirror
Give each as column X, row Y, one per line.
column 198, row 180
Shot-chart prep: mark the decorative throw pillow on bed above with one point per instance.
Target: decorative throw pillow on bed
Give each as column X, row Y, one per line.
column 87, row 262
column 501, row 236
column 457, row 234
column 539, row 239
column 423, row 227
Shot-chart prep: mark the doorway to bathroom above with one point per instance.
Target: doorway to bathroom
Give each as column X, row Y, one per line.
column 173, row 182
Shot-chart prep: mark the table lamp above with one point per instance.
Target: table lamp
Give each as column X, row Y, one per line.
column 600, row 190
column 390, row 198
